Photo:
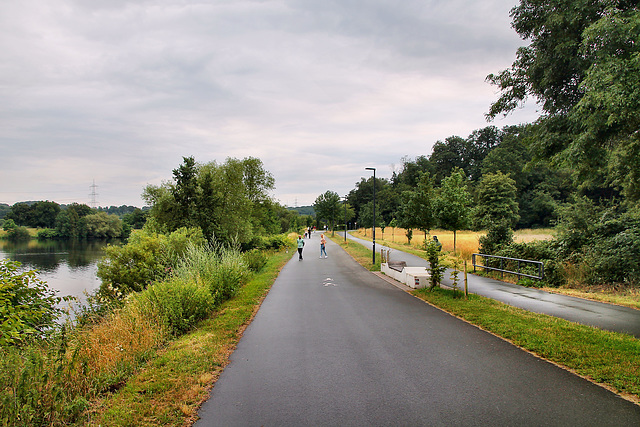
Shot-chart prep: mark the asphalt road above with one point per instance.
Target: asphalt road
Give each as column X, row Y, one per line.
column 609, row 317
column 334, row 345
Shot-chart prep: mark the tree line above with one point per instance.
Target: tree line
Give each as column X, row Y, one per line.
column 575, row 168
column 71, row 221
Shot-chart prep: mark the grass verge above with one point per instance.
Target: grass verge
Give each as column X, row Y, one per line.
column 606, row 358
column 170, row 389
column 361, row 254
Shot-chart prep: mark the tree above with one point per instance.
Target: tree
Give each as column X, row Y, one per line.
column 452, row 204
column 135, row 219
column 393, row 224
column 70, row 221
column 609, row 111
column 44, row 214
column 185, row 190
column 257, row 180
column 448, row 155
column 327, row 206
column 366, row 215
column 103, row 226
column 496, row 201
column 20, row 213
column 417, row 210
column 583, row 66
column 228, row 201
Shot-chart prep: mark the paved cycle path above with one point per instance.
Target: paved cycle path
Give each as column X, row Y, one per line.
column 601, row 315
column 334, row 345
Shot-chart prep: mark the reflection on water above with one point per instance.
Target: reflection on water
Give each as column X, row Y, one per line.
column 67, row 266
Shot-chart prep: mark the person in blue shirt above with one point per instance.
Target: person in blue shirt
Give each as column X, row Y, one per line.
column 300, row 246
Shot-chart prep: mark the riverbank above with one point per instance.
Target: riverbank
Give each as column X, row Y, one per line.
column 177, row 379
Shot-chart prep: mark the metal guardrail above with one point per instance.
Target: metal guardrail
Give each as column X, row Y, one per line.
column 516, row 261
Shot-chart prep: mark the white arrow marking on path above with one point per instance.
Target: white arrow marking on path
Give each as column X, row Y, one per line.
column 328, row 281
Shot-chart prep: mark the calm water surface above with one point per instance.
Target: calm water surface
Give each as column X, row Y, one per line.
column 69, row 267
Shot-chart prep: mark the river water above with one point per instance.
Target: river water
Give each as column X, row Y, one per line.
column 69, row 267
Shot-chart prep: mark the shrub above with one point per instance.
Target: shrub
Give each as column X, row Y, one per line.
column 177, row 303
column 616, row 260
column 18, row 234
column 255, row 259
column 28, row 308
column 545, row 251
column 436, row 269
column 498, row 236
column 222, row 270
column 47, row 233
column 146, row 258
column 276, row 241
column 232, row 272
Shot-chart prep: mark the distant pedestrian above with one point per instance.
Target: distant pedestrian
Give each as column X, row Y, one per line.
column 437, row 242
column 300, row 246
column 323, row 243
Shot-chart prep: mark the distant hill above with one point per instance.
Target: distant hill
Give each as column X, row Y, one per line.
column 304, row 210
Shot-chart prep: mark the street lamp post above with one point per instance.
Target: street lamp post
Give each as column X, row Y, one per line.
column 374, row 212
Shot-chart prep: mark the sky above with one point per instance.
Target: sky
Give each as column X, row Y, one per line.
column 100, row 98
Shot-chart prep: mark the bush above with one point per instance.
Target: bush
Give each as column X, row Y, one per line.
column 28, row 308
column 146, row 258
column 18, row 234
column 232, row 272
column 498, row 236
column 178, row 303
column 222, row 270
column 276, row 242
column 616, row 260
column 436, row 269
column 47, row 234
column 545, row 251
column 255, row 260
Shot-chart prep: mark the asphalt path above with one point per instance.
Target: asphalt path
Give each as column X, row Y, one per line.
column 601, row 315
column 335, row 345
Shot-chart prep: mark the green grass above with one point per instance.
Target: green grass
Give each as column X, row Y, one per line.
column 172, row 386
column 607, row 358
column 361, row 254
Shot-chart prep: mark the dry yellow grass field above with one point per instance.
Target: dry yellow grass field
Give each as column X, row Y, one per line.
column 466, row 240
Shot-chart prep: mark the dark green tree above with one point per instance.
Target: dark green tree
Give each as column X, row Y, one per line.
column 185, row 191
column 418, row 208
column 366, row 216
column 327, row 207
column 452, row 204
column 496, row 201
column 135, row 219
column 582, row 66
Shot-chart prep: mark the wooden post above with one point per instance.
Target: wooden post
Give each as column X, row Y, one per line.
column 466, row 284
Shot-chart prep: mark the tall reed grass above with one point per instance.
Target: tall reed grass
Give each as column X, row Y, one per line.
column 54, row 382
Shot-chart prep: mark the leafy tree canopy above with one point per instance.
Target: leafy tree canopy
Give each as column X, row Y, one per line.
column 583, row 66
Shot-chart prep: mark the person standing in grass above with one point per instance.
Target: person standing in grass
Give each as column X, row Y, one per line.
column 300, row 246
column 323, row 243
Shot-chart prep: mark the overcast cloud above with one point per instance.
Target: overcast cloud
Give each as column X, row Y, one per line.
column 119, row 91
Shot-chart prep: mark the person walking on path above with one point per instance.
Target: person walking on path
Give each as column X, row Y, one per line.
column 323, row 243
column 300, row 246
